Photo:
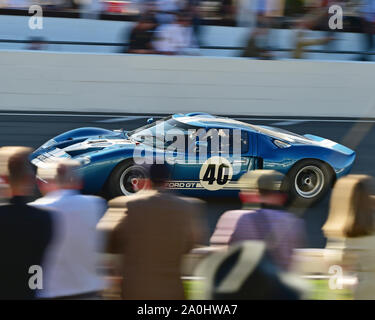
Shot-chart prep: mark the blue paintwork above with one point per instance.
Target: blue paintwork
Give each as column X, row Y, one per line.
column 101, row 160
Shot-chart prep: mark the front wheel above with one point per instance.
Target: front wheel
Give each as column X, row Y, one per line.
column 125, row 179
column 309, row 181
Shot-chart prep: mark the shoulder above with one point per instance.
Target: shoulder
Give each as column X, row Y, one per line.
column 41, row 202
column 90, row 198
column 95, row 201
column 117, row 202
column 192, row 201
column 36, row 209
column 236, row 216
column 176, row 200
column 123, row 201
column 39, row 214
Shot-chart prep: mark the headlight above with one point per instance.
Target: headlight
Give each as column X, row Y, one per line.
column 46, row 145
column 281, row 144
column 83, row 160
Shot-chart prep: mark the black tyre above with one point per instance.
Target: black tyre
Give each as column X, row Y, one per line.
column 309, row 181
column 123, row 179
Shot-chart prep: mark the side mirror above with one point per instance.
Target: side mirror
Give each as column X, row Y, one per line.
column 150, row 120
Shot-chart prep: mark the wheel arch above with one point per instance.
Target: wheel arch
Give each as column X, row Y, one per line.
column 326, row 164
column 105, row 185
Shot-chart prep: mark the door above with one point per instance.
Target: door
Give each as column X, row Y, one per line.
column 215, row 170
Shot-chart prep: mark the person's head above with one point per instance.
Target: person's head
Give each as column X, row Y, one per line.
column 36, row 43
column 184, row 19
column 265, row 187
column 62, row 174
column 146, row 22
column 17, row 171
column 351, row 208
column 159, row 174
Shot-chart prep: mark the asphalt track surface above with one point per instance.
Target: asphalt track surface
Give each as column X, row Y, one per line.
column 33, row 129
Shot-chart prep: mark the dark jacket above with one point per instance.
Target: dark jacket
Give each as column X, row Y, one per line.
column 155, row 231
column 25, row 233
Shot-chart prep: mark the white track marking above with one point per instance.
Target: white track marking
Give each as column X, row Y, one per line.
column 288, row 123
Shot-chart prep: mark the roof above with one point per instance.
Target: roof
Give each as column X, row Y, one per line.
column 213, row 121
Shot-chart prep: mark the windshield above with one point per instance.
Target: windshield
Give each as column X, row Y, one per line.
column 158, row 128
column 150, row 125
column 163, row 133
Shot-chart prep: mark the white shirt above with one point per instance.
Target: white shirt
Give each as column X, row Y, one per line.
column 71, row 259
column 174, row 38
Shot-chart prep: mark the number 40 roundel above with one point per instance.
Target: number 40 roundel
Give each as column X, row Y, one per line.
column 215, row 173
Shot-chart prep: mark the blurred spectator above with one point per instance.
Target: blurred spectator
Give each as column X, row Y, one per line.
column 256, row 46
column 176, row 37
column 36, row 43
column 25, row 232
column 263, row 217
column 246, row 272
column 71, row 261
column 4, row 190
column 91, row 9
column 350, row 231
column 153, row 232
column 227, row 12
column 368, row 26
column 166, row 10
column 196, row 19
column 265, row 13
column 263, row 9
column 294, row 7
column 142, row 35
column 302, row 41
column 245, row 13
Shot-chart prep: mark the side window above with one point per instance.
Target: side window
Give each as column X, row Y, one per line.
column 231, row 142
column 224, row 140
column 244, row 142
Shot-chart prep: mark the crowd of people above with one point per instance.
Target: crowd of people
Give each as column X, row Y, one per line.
column 164, row 34
column 358, row 16
column 51, row 244
column 174, row 26
column 176, row 29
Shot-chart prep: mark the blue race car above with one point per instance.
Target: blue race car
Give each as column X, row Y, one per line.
column 111, row 159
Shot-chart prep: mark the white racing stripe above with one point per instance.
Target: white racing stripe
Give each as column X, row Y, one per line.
column 327, row 143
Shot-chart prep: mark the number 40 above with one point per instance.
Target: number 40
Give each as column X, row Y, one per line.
column 222, row 174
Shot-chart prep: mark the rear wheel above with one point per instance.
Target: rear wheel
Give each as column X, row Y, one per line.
column 309, row 181
column 125, row 179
